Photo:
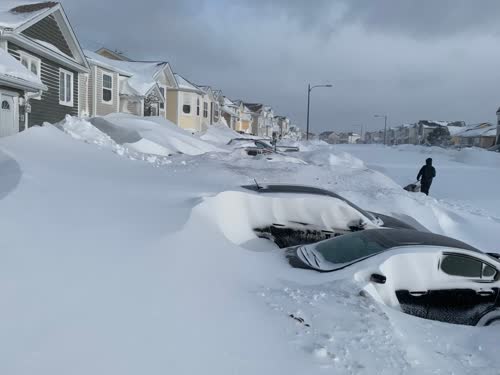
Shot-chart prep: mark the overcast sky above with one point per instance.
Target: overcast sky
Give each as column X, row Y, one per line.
column 411, row 60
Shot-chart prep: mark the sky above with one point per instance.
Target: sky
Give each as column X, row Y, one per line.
column 409, row 60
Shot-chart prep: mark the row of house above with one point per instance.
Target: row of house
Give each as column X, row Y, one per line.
column 45, row 75
column 457, row 133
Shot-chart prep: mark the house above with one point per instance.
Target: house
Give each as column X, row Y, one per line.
column 230, row 112
column 244, row 121
column 136, row 87
column 283, row 123
column 262, row 119
column 17, row 86
column 40, row 36
column 186, row 105
column 212, row 98
column 425, row 127
column 479, row 135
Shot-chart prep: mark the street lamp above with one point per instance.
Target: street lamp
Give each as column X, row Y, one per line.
column 385, row 127
column 309, row 89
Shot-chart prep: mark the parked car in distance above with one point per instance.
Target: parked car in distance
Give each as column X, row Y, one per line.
column 424, row 274
column 258, row 146
column 296, row 232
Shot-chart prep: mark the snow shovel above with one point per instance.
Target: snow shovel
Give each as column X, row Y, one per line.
column 414, row 188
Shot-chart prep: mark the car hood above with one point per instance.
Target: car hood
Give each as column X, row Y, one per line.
column 392, row 222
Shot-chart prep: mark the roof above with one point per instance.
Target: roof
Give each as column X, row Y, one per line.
column 15, row 13
column 478, row 130
column 142, row 74
column 184, row 84
column 15, row 74
column 254, row 107
column 118, row 55
column 99, row 60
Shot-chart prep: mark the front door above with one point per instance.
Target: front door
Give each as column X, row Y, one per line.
column 9, row 123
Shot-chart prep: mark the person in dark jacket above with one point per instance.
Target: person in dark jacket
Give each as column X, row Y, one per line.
column 426, row 175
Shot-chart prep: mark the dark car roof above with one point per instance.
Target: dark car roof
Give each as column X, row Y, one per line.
column 391, row 238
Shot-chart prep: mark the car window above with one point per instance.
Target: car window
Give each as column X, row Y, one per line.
column 348, row 248
column 458, row 265
column 489, row 273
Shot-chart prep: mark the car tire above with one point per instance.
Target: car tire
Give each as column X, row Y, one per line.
column 490, row 319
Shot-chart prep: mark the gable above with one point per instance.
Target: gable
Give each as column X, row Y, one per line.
column 47, row 30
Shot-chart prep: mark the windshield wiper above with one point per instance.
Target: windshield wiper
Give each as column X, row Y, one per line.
column 316, row 259
column 305, row 255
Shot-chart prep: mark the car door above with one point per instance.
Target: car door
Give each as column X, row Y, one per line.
column 414, row 302
column 466, row 292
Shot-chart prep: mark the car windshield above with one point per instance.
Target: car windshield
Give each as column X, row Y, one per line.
column 350, row 247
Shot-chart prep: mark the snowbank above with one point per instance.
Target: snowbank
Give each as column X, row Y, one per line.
column 163, row 133
column 221, row 134
column 150, row 139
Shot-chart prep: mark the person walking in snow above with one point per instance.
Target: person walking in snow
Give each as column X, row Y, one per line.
column 426, row 175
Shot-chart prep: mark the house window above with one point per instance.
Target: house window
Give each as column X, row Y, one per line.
column 205, row 109
column 162, row 102
column 107, row 88
column 186, row 108
column 65, row 88
column 197, row 106
column 33, row 64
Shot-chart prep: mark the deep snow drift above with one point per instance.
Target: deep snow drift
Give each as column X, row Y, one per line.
column 119, row 266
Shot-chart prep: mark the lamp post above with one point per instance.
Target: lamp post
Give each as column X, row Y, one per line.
column 385, row 127
column 309, row 89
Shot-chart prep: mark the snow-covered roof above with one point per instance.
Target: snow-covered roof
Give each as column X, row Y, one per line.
column 11, row 70
column 184, row 84
column 104, row 62
column 143, row 75
column 478, row 130
column 15, row 13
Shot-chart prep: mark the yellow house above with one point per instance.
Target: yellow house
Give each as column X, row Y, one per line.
column 244, row 122
column 187, row 105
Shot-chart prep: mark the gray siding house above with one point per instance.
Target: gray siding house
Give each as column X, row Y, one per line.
column 40, row 36
column 142, row 85
column 16, row 85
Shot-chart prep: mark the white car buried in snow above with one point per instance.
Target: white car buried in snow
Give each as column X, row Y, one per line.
column 423, row 274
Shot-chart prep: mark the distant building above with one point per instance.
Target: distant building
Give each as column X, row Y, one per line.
column 482, row 135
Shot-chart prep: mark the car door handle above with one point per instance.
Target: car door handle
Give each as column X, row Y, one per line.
column 485, row 293
column 418, row 293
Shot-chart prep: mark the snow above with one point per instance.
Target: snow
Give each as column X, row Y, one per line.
column 52, row 47
column 143, row 75
column 481, row 130
column 13, row 20
column 11, row 67
column 110, row 265
column 184, row 84
column 221, row 134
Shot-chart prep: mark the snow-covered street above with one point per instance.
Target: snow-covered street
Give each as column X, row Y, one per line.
column 136, row 257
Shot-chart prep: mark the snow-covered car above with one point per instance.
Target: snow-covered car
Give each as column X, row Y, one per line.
column 424, row 274
column 297, row 231
column 258, row 146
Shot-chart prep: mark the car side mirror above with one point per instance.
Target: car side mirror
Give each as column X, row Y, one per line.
column 378, row 279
